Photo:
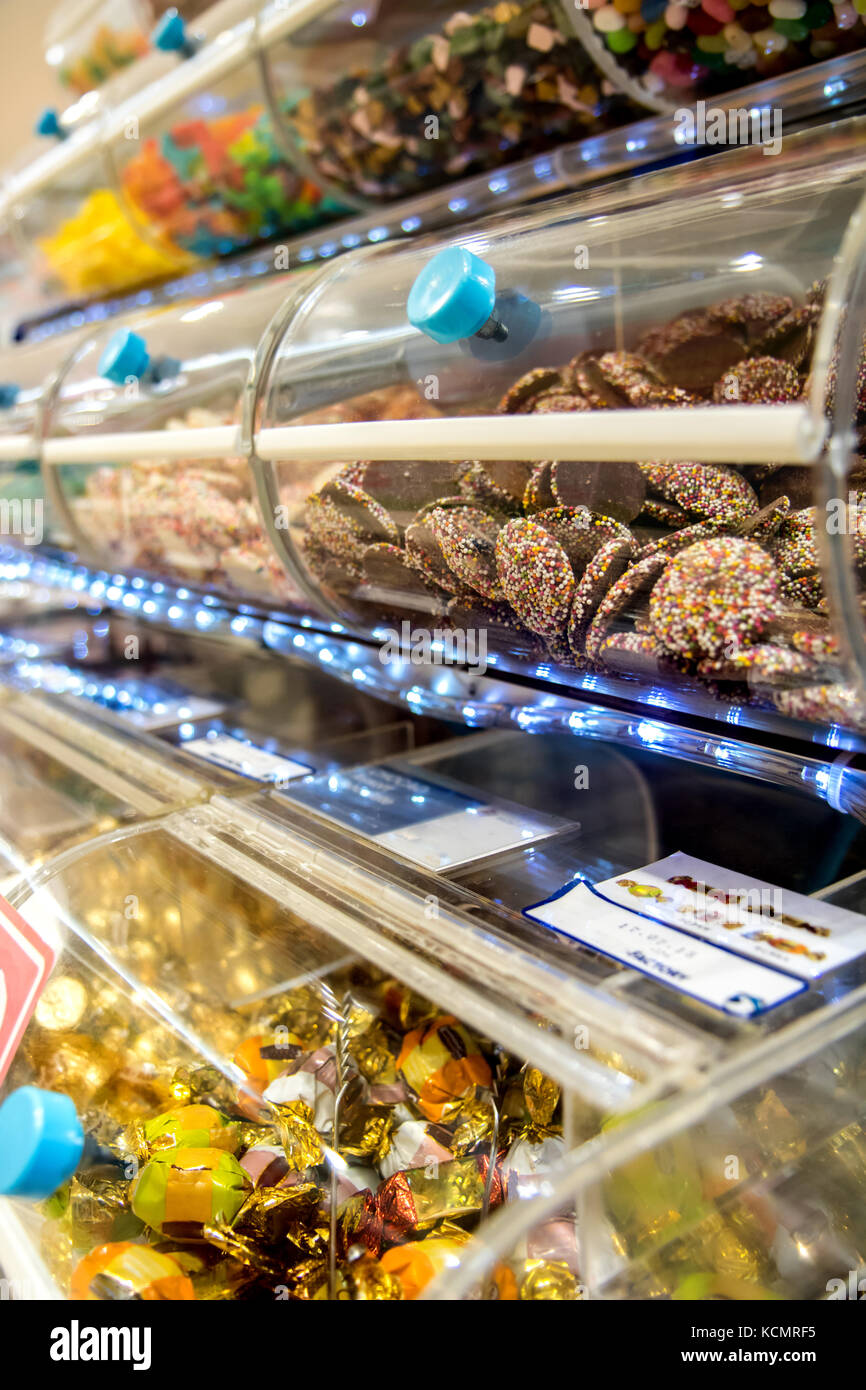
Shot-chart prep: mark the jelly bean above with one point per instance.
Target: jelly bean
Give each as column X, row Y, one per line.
column 787, row 9
column 768, row 42
column 711, row 43
column 653, row 10
column 846, row 16
column 621, row 40
column 791, row 29
column 818, row 14
column 627, row 6
column 636, row 23
column 607, row 20
column 718, row 9
column 860, row 6
column 676, row 16
column 736, row 37
column 655, row 35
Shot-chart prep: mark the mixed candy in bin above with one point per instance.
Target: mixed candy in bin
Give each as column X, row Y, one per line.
column 686, row 573
column 495, row 83
column 210, row 186
column 356, row 1120
column 192, row 520
column 692, row 48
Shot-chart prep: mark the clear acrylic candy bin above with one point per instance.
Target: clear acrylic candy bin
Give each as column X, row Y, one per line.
column 192, row 515
column 614, row 445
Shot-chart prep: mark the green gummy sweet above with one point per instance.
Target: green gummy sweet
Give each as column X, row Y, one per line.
column 795, row 29
column 621, row 40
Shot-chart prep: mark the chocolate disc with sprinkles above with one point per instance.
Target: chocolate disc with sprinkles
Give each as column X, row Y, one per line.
column 387, row 569
column 693, row 351
column 480, row 490
column 519, row 398
column 792, row 336
column 594, row 385
column 535, row 576
column 614, row 489
column 401, row 488
column 796, row 482
column 558, row 403
column 720, row 593
column 538, row 494
column 663, row 513
column 623, row 593
column 764, row 664
column 758, row 381
column 764, row 525
column 632, row 654
column 467, row 538
column 826, row 704
column 500, row 624
column 711, row 492
column 509, row 475
column 679, row 540
column 363, row 514
column 603, row 570
column 424, row 554
column 639, row 383
column 581, row 532
column 755, row 314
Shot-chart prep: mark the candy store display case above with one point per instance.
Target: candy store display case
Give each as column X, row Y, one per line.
column 611, row 470
column 190, row 517
column 342, row 1083
column 387, row 100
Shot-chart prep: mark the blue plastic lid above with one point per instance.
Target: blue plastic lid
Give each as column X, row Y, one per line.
column 125, row 356
column 41, row 1142
column 49, row 124
column 9, row 394
column 170, row 34
column 453, row 296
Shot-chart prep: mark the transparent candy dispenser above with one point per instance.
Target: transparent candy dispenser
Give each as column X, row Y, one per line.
column 198, row 163
column 380, row 100
column 191, row 516
column 619, row 440
column 273, row 1089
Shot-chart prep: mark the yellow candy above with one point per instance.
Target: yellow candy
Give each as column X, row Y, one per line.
column 655, row 34
column 98, row 249
column 736, row 37
column 711, row 43
column 627, row 6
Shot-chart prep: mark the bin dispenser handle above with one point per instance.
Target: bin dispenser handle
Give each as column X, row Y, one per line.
column 41, row 1142
column 126, row 357
column 170, row 36
column 454, row 297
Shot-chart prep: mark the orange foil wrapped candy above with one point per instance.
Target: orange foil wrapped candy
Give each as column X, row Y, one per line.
column 442, row 1063
column 265, row 1055
column 125, row 1270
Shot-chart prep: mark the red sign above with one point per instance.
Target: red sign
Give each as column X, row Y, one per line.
column 25, row 964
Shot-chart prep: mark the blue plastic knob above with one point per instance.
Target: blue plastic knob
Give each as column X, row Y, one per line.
column 41, row 1142
column 9, row 394
column 125, row 356
column 453, row 296
column 49, row 124
column 170, row 35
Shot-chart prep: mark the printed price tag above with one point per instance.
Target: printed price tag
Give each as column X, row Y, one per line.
column 246, row 758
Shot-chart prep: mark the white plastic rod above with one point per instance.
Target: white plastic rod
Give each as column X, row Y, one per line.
column 15, row 447
column 710, row 434
column 221, row 441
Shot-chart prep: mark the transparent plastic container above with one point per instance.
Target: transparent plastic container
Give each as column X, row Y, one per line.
column 382, row 100
column 678, row 54
column 197, row 161
column 193, row 519
column 359, row 1084
column 28, row 511
column 72, row 220
column 89, row 41
column 64, row 779
column 694, row 345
